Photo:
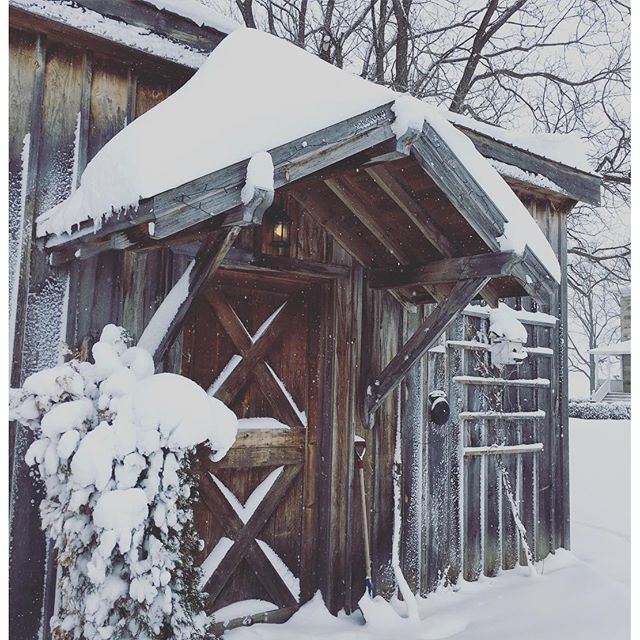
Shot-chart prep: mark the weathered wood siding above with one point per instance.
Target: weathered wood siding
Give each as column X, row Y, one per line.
column 66, row 102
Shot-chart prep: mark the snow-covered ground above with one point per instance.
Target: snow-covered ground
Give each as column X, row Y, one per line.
column 583, row 594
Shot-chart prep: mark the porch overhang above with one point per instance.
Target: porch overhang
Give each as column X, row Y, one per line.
column 331, row 173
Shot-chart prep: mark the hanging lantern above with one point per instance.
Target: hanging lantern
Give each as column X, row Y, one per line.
column 280, row 227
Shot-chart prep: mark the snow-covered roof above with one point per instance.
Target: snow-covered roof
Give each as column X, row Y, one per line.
column 255, row 93
column 135, row 36
column 567, row 149
column 618, row 349
column 197, row 12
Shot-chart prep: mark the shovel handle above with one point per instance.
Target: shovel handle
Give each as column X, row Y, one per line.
column 365, row 530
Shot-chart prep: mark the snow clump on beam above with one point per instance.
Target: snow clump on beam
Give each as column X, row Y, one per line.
column 259, row 176
column 504, row 323
column 113, row 444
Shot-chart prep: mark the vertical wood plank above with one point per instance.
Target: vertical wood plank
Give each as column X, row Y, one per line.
column 436, row 508
column 455, row 364
column 412, row 430
column 387, row 328
column 474, row 466
column 27, row 557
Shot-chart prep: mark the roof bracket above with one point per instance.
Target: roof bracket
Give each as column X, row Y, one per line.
column 418, row 344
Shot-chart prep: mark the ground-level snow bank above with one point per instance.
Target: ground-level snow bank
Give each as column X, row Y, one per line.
column 600, row 465
column 581, row 594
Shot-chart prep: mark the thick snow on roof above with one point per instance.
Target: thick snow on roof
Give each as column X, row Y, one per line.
column 197, row 12
column 618, row 349
column 254, row 93
column 568, row 149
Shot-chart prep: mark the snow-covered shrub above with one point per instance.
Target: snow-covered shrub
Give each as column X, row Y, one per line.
column 599, row 410
column 113, row 444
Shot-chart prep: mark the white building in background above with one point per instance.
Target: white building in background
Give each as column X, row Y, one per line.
column 616, row 386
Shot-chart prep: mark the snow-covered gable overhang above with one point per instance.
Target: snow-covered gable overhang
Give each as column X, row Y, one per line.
column 405, row 192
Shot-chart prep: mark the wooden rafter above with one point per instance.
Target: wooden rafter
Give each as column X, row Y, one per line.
column 331, row 220
column 166, row 322
column 420, row 342
column 390, row 185
column 351, row 195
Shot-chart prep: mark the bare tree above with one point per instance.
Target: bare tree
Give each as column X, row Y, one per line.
column 594, row 303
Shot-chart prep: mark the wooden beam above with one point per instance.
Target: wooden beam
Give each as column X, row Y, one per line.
column 165, row 23
column 167, row 321
column 441, row 163
column 388, row 183
column 350, row 196
column 419, row 343
column 406, row 140
column 223, row 204
column 489, row 265
column 245, row 260
column 357, row 246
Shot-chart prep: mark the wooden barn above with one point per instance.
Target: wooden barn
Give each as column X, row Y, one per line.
column 340, row 301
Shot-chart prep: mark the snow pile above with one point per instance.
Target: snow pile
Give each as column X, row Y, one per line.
column 504, row 323
column 259, row 176
column 113, row 444
column 218, row 109
column 618, row 349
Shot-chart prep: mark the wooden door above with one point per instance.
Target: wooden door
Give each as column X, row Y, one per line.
column 252, row 342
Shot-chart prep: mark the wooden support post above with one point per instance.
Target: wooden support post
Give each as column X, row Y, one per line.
column 167, row 321
column 421, row 341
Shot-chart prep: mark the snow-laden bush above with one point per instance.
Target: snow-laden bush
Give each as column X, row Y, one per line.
column 599, row 410
column 113, row 444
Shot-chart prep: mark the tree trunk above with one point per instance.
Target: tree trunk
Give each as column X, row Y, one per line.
column 246, row 9
column 401, row 11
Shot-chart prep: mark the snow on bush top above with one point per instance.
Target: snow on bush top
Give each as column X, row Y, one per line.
column 214, row 121
column 112, row 444
column 504, row 323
